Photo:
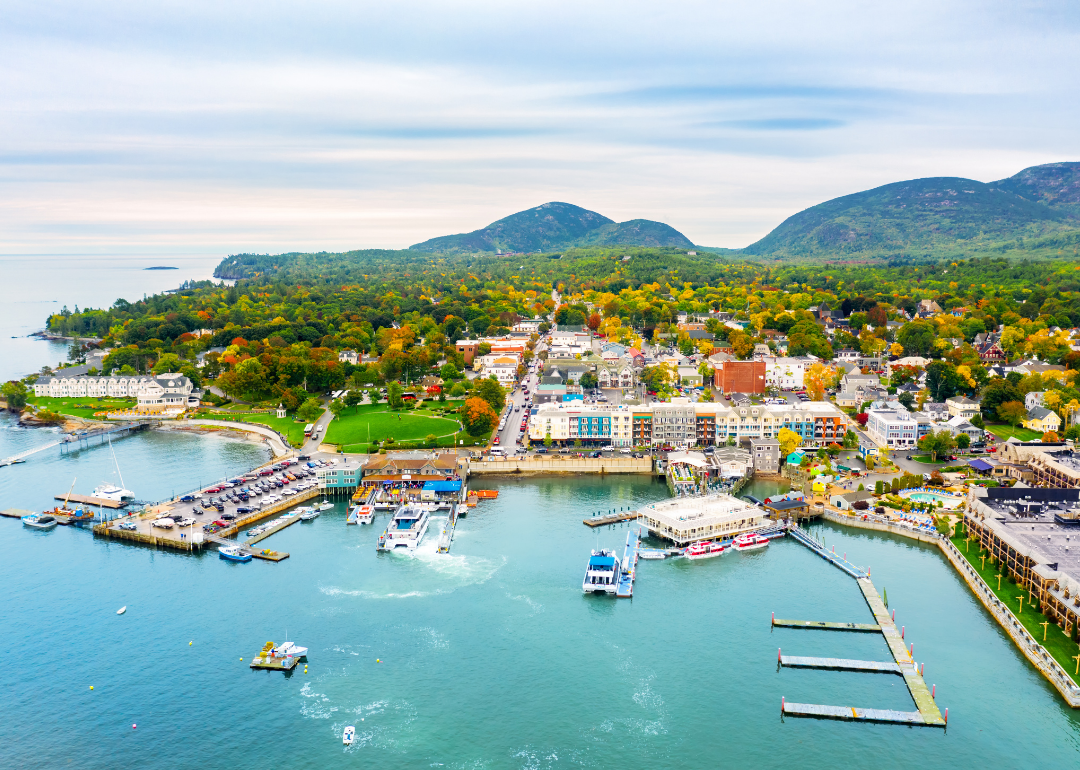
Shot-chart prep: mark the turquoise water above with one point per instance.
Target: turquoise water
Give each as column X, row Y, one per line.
column 491, row 656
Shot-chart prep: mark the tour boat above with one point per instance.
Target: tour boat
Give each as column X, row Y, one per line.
column 705, row 550
column 405, row 530
column 602, row 573
column 751, row 541
column 233, row 553
column 39, row 521
column 289, row 650
column 348, row 735
column 365, row 514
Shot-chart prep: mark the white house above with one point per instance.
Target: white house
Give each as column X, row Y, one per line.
column 959, row 406
column 348, row 356
column 785, row 373
column 1034, row 399
column 502, row 367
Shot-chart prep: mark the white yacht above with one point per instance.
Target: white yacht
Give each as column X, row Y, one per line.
column 406, row 529
column 107, row 491
column 289, row 650
column 602, row 574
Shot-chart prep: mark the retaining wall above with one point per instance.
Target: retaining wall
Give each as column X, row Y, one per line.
column 561, row 464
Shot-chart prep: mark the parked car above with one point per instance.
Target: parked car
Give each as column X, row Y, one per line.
column 187, row 499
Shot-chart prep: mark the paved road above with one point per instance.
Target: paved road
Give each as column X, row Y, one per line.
column 311, row 445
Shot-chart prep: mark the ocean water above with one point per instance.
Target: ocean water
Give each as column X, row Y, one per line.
column 488, row 657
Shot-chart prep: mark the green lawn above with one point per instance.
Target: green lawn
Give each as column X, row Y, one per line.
column 1057, row 644
column 287, row 426
column 355, row 429
column 1007, row 431
column 81, row 407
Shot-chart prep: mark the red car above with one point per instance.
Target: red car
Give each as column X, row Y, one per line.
column 496, row 441
column 220, row 523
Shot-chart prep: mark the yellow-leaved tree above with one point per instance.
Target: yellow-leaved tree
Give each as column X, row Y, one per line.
column 789, row 441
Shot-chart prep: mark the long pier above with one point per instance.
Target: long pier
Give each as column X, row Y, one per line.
column 625, row 587
column 928, row 714
column 611, row 518
column 75, row 439
column 824, row 625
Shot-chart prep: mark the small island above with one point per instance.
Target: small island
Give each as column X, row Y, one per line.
column 161, row 267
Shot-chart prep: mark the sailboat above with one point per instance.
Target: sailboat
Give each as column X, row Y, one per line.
column 107, row 491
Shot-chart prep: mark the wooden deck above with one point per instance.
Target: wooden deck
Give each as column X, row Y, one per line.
column 611, row 518
column 852, row 714
column 840, row 664
column 274, row 664
column 88, row 500
column 16, row 513
column 825, row 625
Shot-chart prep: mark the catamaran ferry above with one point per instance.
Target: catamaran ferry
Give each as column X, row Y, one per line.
column 750, row 541
column 406, row 529
column 602, row 574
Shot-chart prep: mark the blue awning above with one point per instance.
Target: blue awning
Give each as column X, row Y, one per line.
column 602, row 561
column 443, row 486
column 980, row 465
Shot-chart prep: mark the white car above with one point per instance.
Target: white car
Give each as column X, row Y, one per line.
column 165, row 523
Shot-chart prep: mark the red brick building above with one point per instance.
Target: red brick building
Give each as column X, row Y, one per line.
column 739, row 376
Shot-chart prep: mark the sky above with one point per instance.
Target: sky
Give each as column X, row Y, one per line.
column 198, row 127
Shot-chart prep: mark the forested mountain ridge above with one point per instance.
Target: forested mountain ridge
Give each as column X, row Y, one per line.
column 939, row 217
column 554, row 226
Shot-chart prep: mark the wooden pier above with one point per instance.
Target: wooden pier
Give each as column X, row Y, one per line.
column 928, row 714
column 852, row 714
column 625, row 587
column 15, row 513
column 824, row 625
column 840, row 664
column 611, row 518
column 88, row 500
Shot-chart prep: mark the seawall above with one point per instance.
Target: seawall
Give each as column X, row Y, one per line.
column 562, row 464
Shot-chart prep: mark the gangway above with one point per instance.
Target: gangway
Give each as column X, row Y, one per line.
column 23, row 455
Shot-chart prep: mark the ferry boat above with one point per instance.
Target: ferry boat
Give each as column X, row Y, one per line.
column 406, row 529
column 365, row 514
column 233, row 553
column 705, row 550
column 602, row 574
column 751, row 541
column 39, row 521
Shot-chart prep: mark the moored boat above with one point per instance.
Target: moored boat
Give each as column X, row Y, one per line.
column 325, row 505
column 234, row 553
column 309, row 515
column 40, row 521
column 602, row 573
column 751, row 541
column 706, row 550
column 365, row 514
column 289, row 650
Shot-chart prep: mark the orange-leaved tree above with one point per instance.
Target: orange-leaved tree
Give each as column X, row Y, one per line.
column 477, row 416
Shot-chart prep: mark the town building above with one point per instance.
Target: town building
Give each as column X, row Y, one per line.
column 1041, row 419
column 348, row 357
column 691, row 519
column 765, row 455
column 731, row 376
column 961, row 406
column 785, row 373
column 164, row 393
column 339, row 478
column 892, row 428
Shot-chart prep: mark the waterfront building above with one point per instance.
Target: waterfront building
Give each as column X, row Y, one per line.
column 681, row 423
column 1029, row 532
column 167, row 392
column 342, row 477
column 414, row 467
column 691, row 519
column 765, row 455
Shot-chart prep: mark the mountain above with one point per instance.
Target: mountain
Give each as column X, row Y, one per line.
column 556, row 226
column 941, row 214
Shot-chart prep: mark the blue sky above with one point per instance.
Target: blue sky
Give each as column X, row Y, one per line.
column 218, row 127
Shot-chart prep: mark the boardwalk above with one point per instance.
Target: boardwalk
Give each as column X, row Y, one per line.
column 824, row 625
column 840, row 664
column 625, row 587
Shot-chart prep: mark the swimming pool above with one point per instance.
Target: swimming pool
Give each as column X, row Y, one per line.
column 947, row 501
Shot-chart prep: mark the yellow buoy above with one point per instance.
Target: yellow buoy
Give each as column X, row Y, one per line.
column 189, row 644
column 241, row 659
column 91, row 687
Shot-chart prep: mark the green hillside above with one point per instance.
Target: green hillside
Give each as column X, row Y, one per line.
column 939, row 217
column 553, row 227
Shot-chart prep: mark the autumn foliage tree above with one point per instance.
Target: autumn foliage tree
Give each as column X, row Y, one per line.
column 477, row 416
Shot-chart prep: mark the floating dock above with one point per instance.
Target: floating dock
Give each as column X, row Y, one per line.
column 16, row 513
column 852, row 714
column 88, row 500
column 263, row 660
column 287, row 522
column 928, row 714
column 625, row 588
column 446, row 537
column 840, row 664
column 611, row 518
column 824, row 625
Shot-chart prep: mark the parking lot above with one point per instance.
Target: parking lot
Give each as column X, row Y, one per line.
column 218, row 506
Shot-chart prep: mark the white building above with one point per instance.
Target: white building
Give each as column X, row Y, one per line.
column 348, row 356
column 892, row 429
column 85, row 386
column 500, row 366
column 165, row 393
column 785, row 373
column 688, row 520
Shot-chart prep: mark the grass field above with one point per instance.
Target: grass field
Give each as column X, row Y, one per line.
column 287, row 426
column 1057, row 644
column 1007, row 431
column 80, row 407
column 354, row 431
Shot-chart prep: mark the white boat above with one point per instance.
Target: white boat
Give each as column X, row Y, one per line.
column 234, row 553
column 405, row 530
column 325, row 505
column 751, row 541
column 602, row 573
column 39, row 521
column 112, row 492
column 289, row 650
column 706, row 550
column 309, row 515
column 365, row 514
column 348, row 735
column 651, row 555
column 122, row 610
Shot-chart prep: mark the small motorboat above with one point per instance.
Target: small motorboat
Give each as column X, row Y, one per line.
column 234, row 553
column 652, row 555
column 40, row 521
column 751, row 541
column 325, row 505
column 348, row 735
column 706, row 550
column 309, row 515
column 122, row 610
